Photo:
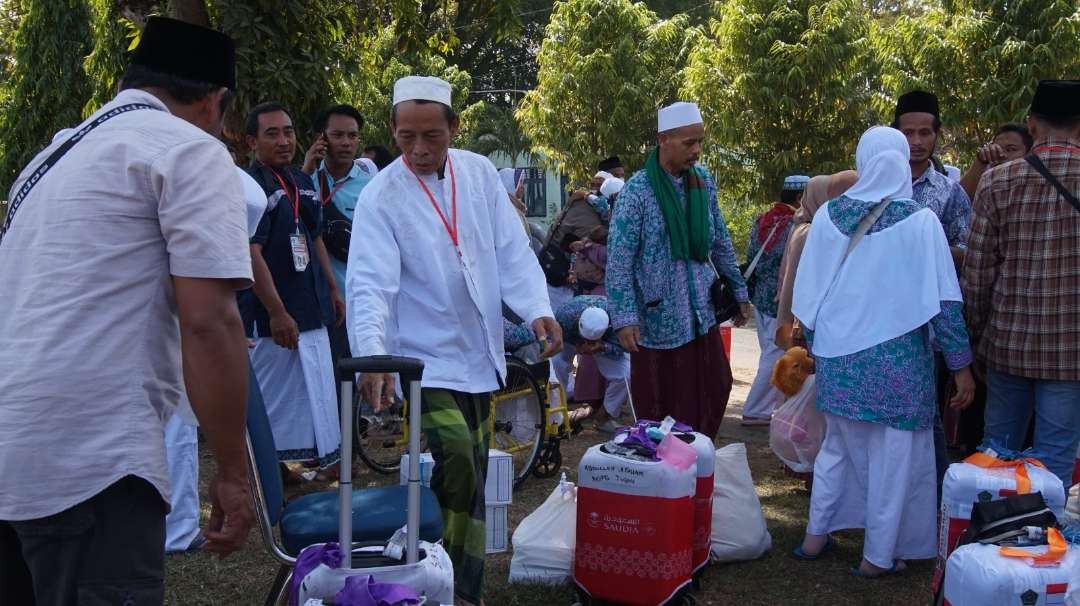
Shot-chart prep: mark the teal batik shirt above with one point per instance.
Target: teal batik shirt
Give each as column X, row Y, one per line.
column 667, row 298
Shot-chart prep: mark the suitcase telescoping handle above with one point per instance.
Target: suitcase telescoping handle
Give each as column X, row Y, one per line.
column 410, row 370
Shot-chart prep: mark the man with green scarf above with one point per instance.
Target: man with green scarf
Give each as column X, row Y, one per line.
column 667, row 244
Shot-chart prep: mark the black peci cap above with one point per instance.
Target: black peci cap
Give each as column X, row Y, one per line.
column 1057, row 99
column 187, row 51
column 917, row 101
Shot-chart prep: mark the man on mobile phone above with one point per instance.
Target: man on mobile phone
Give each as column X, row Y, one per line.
column 339, row 177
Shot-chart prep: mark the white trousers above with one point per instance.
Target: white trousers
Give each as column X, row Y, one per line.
column 182, row 458
column 299, row 391
column 616, row 370
column 763, row 396
column 879, row 478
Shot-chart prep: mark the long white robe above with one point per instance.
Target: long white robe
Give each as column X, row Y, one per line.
column 763, row 396
column 182, row 456
column 299, row 392
column 875, row 477
column 411, row 292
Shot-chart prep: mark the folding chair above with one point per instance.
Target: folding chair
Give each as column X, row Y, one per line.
column 313, row 518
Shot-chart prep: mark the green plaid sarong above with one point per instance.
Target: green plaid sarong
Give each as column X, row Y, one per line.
column 456, row 426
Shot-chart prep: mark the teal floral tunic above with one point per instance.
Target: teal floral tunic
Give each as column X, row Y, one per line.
column 766, row 276
column 667, row 298
column 891, row 383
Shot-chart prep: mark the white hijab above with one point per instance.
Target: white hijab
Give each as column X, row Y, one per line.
column 893, row 282
column 881, row 159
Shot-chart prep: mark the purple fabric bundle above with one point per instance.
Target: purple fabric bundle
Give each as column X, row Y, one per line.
column 637, row 434
column 359, row 590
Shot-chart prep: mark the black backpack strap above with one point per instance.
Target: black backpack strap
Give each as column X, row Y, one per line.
column 65, row 147
column 1038, row 165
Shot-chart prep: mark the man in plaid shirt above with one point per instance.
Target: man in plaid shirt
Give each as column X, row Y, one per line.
column 1021, row 284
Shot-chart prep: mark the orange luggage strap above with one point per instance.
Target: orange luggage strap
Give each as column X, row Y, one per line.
column 1023, row 482
column 1058, row 548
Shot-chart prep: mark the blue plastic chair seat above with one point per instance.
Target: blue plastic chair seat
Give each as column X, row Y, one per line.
column 377, row 514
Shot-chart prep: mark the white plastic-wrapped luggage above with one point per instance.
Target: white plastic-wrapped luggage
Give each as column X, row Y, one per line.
column 798, row 429
column 738, row 525
column 403, row 559
column 544, row 541
column 978, row 575
column 975, row 478
column 635, row 528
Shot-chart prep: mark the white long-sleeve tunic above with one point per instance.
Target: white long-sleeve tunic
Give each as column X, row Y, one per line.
column 410, row 293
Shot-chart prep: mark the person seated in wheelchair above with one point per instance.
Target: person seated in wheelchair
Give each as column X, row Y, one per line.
column 586, row 325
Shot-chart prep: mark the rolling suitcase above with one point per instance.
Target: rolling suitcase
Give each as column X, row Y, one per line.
column 635, row 529
column 422, row 566
column 984, row 477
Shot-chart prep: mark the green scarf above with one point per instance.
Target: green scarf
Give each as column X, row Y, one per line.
column 688, row 229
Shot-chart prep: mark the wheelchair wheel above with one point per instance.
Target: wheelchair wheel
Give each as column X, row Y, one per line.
column 519, row 415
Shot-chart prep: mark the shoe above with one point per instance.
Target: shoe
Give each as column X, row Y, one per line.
column 897, row 567
column 799, row 554
column 608, row 426
column 755, row 422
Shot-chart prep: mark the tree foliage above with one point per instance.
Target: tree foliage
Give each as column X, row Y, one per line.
column 784, row 88
column 605, row 66
column 497, row 131
column 982, row 58
column 113, row 34
column 47, row 86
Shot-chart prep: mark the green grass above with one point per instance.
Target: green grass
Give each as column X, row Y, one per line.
column 198, row 579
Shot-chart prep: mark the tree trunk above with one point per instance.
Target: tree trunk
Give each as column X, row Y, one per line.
column 192, row 11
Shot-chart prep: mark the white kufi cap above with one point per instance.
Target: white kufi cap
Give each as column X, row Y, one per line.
column 611, row 186
column 677, row 115
column 422, row 88
column 602, row 175
column 593, row 323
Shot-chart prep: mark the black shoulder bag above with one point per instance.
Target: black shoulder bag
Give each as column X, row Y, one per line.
column 337, row 229
column 1038, row 165
column 39, row 172
column 553, row 259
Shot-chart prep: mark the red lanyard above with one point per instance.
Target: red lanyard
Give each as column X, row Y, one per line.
column 294, row 198
column 451, row 231
column 1057, row 148
column 324, row 184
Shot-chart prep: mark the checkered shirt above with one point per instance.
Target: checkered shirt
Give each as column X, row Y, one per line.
column 1021, row 278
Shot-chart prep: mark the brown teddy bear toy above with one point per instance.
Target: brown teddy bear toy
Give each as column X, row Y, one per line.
column 791, row 371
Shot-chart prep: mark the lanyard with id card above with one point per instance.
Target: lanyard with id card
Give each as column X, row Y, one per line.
column 297, row 240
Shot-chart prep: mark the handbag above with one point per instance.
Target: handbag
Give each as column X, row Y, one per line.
column 553, row 259
column 722, row 292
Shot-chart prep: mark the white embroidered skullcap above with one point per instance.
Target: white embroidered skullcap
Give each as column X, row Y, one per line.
column 422, row 88
column 593, row 323
column 677, row 115
column 611, row 186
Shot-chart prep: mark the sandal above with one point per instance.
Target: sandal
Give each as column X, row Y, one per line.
column 897, row 567
column 799, row 554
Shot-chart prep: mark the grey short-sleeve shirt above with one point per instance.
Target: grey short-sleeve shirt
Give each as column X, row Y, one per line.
column 89, row 339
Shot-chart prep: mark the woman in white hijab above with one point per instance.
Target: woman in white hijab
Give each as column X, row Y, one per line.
column 866, row 315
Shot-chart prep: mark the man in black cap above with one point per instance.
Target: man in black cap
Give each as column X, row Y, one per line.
column 613, row 166
column 120, row 257
column 1021, row 283
column 918, row 116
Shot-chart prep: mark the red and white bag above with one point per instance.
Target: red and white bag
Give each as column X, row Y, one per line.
column 635, row 528
column 703, row 498
column 983, row 476
column 982, row 575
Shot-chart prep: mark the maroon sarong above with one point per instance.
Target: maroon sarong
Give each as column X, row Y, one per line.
column 691, row 383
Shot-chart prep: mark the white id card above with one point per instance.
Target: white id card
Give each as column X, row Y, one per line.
column 300, row 256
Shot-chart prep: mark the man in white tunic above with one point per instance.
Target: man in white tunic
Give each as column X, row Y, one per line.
column 437, row 248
